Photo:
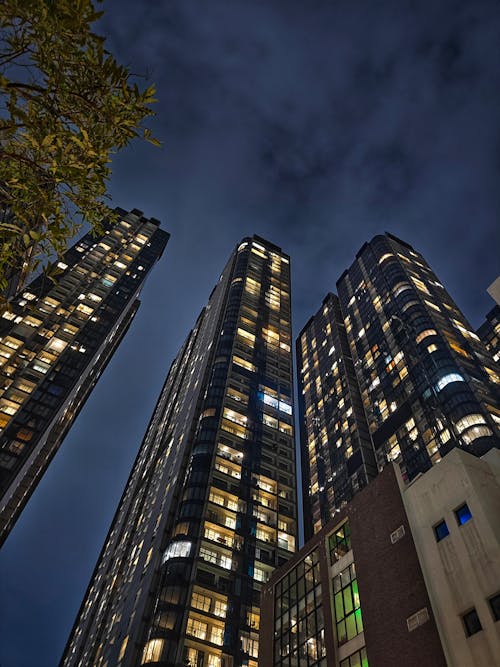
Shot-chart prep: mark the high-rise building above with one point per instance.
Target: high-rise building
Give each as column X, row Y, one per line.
column 209, row 509
column 55, row 340
column 390, row 370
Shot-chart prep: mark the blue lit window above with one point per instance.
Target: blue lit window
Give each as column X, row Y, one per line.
column 441, row 530
column 448, row 379
column 463, row 514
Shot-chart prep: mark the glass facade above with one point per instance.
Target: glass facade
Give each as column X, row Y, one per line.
column 55, row 340
column 389, row 371
column 210, row 507
column 299, row 626
column 349, row 622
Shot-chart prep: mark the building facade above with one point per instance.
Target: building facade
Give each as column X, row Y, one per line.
column 489, row 333
column 209, row 510
column 453, row 515
column 354, row 595
column 390, row 370
column 55, row 340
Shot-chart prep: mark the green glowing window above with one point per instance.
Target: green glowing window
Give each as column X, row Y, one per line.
column 357, row 659
column 339, row 542
column 347, row 607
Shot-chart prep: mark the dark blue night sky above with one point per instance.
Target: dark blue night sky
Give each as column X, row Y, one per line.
column 315, row 124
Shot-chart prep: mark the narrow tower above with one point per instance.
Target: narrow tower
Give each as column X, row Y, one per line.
column 55, row 341
column 210, row 506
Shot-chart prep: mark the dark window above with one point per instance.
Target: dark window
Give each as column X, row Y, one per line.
column 441, row 530
column 339, row 542
column 495, row 606
column 463, row 514
column 472, row 624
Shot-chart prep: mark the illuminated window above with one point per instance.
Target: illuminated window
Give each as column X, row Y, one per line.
column 177, row 550
column 269, row 400
column 358, row 659
column 152, row 651
column 260, row 574
column 349, row 622
column 57, row 345
column 86, row 310
column 339, row 542
column 216, row 635
column 196, row 628
column 235, row 417
column 432, row 305
column 469, row 420
column 123, row 648
column 424, row 334
column 463, row 514
column 441, row 530
column 420, row 285
column 269, row 421
column 448, row 379
column 400, row 288
column 237, row 395
column 220, row 608
column 243, row 363
column 285, row 407
column 246, row 337
column 200, row 601
column 384, row 257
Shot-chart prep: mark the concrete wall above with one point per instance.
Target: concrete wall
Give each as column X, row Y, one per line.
column 462, row 571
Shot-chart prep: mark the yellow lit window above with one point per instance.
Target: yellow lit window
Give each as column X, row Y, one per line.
column 236, row 395
column 384, row 257
column 86, row 310
column 235, row 416
column 247, row 337
column 244, row 363
column 424, row 334
column 432, row 305
column 152, row 651
column 32, row 321
column 420, row 285
column 56, row 345
column 216, row 635
column 494, row 377
column 123, row 648
column 200, row 601
column 220, row 608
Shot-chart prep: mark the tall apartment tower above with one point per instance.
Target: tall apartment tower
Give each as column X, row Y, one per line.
column 390, row 370
column 55, row 341
column 210, row 506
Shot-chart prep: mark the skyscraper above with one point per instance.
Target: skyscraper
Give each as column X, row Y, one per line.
column 55, row 341
column 209, row 509
column 390, row 370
